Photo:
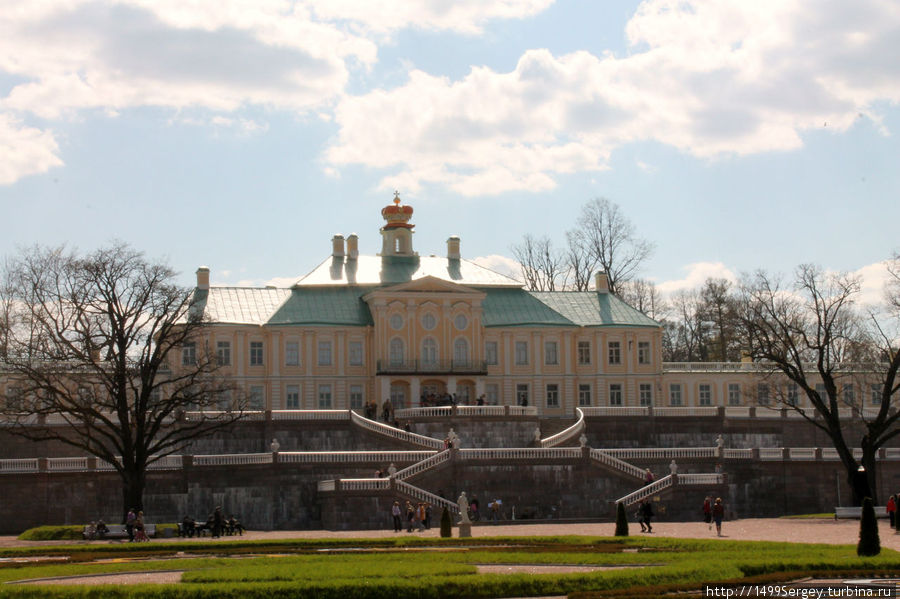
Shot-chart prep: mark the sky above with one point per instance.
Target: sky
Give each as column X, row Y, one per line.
column 243, row 134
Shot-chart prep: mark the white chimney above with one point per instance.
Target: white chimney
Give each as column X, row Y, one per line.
column 453, row 248
column 601, row 282
column 337, row 246
column 203, row 277
column 352, row 246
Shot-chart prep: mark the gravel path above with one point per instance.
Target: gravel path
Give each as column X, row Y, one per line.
column 754, row 529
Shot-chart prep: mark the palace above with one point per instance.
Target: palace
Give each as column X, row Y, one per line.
column 406, row 327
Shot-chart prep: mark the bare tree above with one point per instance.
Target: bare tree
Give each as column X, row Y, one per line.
column 579, row 263
column 643, row 295
column 542, row 265
column 110, row 350
column 718, row 314
column 689, row 332
column 612, row 242
column 810, row 335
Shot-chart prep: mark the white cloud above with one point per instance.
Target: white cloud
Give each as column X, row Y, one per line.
column 695, row 275
column 25, row 150
column 872, row 280
column 709, row 78
column 463, row 16
column 220, row 56
column 502, row 264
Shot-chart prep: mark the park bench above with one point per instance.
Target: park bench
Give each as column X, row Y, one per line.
column 116, row 531
column 856, row 512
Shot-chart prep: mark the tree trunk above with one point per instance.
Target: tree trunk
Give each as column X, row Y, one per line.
column 132, row 492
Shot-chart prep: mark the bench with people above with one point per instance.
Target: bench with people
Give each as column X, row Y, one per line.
column 856, row 512
column 100, row 530
column 189, row 527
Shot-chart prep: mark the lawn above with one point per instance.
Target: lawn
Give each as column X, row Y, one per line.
column 426, row 568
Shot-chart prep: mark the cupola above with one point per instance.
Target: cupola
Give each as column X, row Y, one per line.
column 397, row 232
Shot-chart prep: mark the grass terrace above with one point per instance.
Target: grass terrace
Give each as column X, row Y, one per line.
column 425, row 568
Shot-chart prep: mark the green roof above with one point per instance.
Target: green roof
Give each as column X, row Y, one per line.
column 342, row 305
column 339, row 306
column 517, row 307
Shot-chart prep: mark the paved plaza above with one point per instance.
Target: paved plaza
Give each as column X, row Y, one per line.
column 816, row 530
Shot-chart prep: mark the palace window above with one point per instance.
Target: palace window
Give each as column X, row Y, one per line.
column 792, row 394
column 429, row 351
column 223, row 353
column 551, row 353
column 705, row 393
column 324, row 397
column 876, row 394
column 521, row 353
column 822, row 392
column 584, row 352
column 615, row 352
column 675, row 394
column 189, row 354
column 762, row 394
column 461, row 352
column 257, row 397
column 490, row 353
column 396, row 351
column 256, row 353
column 645, row 390
column 356, row 353
column 522, row 394
column 734, row 394
column 292, row 397
column 357, row 399
column 552, row 396
column 615, row 394
column 584, row 395
column 292, row 353
column 324, row 353
column 643, row 352
column 492, row 394
column 848, row 395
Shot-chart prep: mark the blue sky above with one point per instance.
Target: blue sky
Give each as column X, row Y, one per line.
column 242, row 135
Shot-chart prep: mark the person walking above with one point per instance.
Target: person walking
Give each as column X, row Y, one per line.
column 218, row 522
column 395, row 514
column 139, row 533
column 892, row 509
column 707, row 511
column 129, row 524
column 647, row 512
column 410, row 516
column 718, row 513
column 648, row 477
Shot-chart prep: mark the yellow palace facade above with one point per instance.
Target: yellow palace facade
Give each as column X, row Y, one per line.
column 416, row 329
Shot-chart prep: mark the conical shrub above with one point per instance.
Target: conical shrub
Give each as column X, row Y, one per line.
column 621, row 520
column 869, row 542
column 446, row 524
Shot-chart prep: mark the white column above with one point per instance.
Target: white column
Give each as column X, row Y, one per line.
column 415, row 390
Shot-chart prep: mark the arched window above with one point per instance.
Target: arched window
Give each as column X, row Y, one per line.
column 396, row 351
column 429, row 351
column 460, row 351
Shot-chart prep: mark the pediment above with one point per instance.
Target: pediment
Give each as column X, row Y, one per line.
column 429, row 284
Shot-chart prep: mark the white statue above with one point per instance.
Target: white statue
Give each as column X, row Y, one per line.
column 274, row 446
column 673, row 467
column 453, row 438
column 720, row 443
column 463, row 504
column 537, row 434
column 392, row 470
column 583, row 440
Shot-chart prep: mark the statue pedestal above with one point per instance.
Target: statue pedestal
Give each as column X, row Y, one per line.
column 465, row 530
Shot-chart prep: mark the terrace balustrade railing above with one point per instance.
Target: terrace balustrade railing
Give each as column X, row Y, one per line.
column 243, row 459
column 647, row 491
column 662, row 453
column 423, row 495
column 568, row 434
column 396, row 433
column 431, row 367
column 352, row 457
column 432, row 461
column 521, row 453
column 615, row 463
